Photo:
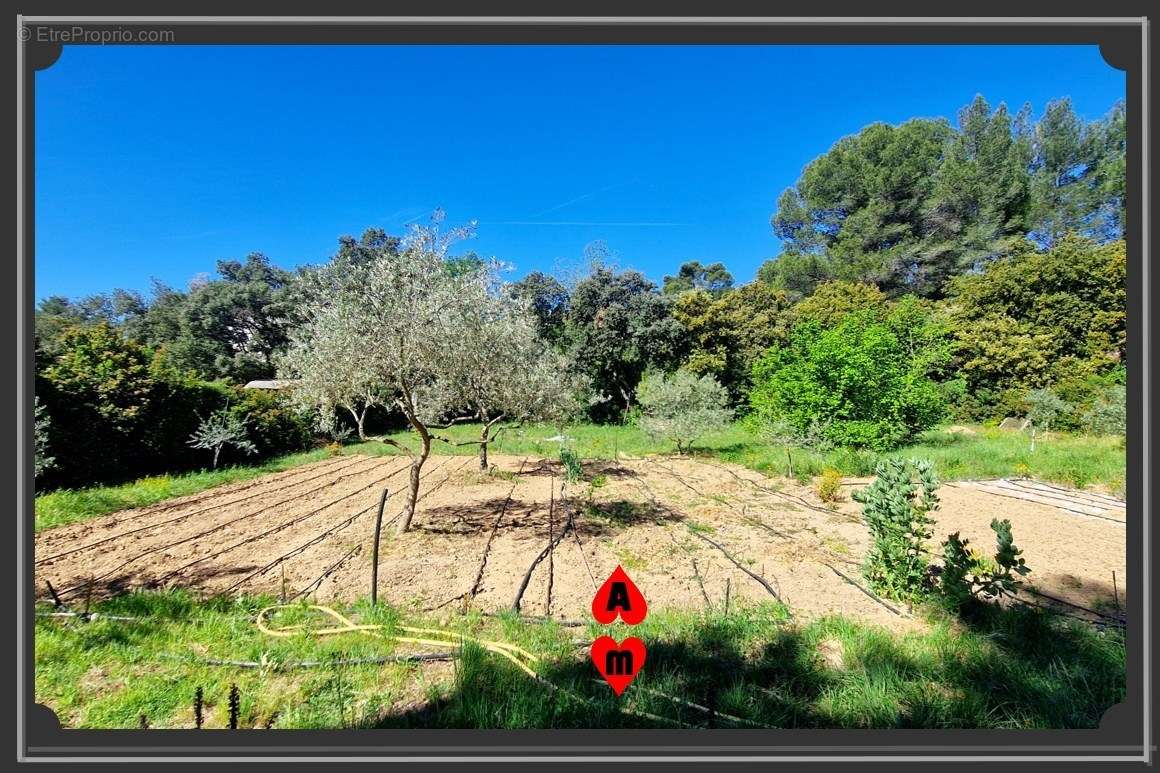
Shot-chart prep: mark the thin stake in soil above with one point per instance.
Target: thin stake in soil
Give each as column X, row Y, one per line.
column 235, row 703
column 551, row 553
column 198, row 708
column 375, row 549
column 568, row 525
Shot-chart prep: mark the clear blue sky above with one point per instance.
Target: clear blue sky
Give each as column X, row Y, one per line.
column 158, row 161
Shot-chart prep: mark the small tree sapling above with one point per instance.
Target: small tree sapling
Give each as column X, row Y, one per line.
column 220, row 429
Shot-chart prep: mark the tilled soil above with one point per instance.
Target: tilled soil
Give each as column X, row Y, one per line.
column 688, row 532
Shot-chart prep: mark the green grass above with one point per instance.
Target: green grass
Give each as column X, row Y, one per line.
column 1077, row 460
column 1000, row 669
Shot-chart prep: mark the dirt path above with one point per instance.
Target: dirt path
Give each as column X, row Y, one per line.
column 688, row 531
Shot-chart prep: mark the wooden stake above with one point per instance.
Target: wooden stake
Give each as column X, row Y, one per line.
column 375, row 553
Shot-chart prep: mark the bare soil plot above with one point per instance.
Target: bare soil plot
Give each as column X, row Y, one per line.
column 688, row 531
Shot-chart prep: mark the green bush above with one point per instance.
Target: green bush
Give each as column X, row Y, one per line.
column 896, row 508
column 681, row 407
column 855, row 384
column 120, row 411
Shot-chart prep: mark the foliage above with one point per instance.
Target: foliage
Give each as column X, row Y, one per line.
column 1109, row 414
column 401, row 320
column 681, row 407
column 618, row 327
column 966, row 575
column 221, row 429
column 833, row 301
column 713, row 278
column 1036, row 318
column 896, row 508
column 1077, row 174
column 549, row 301
column 856, row 382
column 41, row 424
column 830, row 485
column 573, row 464
column 727, row 332
column 908, row 207
column 230, row 327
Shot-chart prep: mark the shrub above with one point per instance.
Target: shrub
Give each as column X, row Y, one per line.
column 219, row 430
column 681, row 407
column 41, row 424
column 855, row 384
column 1109, row 414
column 896, row 509
column 120, row 410
column 830, row 486
column 966, row 574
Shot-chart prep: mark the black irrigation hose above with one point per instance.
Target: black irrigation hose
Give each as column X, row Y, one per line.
column 330, row 570
column 491, row 536
column 219, row 527
column 865, row 590
column 329, row 470
column 552, row 543
column 788, row 497
column 417, row 657
column 280, row 527
column 215, row 491
column 764, row 583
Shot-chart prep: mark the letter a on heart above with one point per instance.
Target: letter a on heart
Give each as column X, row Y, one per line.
column 618, row 663
column 619, row 596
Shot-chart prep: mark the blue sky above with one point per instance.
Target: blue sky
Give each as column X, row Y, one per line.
column 158, row 161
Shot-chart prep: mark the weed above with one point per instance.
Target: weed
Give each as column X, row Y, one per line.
column 829, row 486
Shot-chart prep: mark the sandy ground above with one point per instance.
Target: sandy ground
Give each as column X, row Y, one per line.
column 308, row 532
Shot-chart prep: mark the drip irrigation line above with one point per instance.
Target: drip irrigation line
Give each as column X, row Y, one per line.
column 329, row 571
column 864, row 590
column 417, row 657
column 491, row 536
column 157, row 549
column 329, row 470
column 542, row 555
column 276, row 529
column 316, row 539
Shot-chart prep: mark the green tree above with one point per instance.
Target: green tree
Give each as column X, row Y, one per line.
column 1077, row 174
column 548, row 299
column 856, row 384
column 833, row 301
column 230, row 327
column 681, row 407
column 726, row 333
column 713, row 278
column 862, row 205
column 1040, row 317
column 797, row 273
column 618, row 327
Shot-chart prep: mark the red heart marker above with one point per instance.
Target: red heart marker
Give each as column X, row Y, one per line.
column 619, row 596
column 618, row 663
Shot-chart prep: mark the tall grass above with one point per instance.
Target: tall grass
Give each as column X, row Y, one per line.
column 997, row 668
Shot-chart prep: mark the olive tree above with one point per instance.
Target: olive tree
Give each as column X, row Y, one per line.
column 402, row 314
column 681, row 406
column 506, row 373
column 330, row 373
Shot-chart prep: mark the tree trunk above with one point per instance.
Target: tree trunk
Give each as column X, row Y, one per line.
column 483, row 441
column 359, row 417
column 218, row 449
column 416, row 467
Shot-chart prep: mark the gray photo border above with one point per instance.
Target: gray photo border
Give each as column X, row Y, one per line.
column 659, row 746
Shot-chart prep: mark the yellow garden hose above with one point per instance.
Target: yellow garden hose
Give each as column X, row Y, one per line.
column 345, row 625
